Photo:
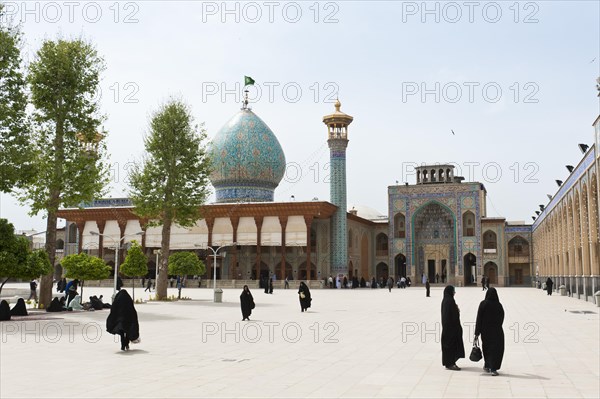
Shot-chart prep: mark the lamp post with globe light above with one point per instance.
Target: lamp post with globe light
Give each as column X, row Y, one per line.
column 117, row 247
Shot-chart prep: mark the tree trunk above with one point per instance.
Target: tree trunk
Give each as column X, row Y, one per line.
column 179, row 288
column 82, row 291
column 163, row 270
column 55, row 186
column 133, row 289
column 46, row 281
column 2, row 286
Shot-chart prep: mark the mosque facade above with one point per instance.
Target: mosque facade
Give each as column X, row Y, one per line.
column 435, row 228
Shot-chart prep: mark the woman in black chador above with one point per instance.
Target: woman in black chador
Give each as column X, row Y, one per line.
column 304, row 294
column 452, row 343
column 489, row 324
column 19, row 309
column 123, row 319
column 247, row 302
column 4, row 310
column 549, row 284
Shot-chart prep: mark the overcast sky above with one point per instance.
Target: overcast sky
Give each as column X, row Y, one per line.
column 514, row 81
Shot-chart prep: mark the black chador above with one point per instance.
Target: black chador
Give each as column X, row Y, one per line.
column 4, row 311
column 304, row 295
column 123, row 319
column 19, row 309
column 247, row 303
column 490, row 317
column 452, row 342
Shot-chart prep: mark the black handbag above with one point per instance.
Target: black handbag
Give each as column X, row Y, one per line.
column 476, row 354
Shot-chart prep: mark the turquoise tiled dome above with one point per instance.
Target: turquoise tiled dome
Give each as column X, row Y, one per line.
column 248, row 161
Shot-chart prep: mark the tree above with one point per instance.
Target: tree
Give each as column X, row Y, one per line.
column 16, row 259
column 136, row 263
column 171, row 183
column 16, row 159
column 185, row 263
column 85, row 267
column 69, row 165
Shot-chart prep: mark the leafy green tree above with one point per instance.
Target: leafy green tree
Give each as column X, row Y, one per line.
column 16, row 159
column 171, row 183
column 70, row 166
column 184, row 264
column 136, row 264
column 16, row 260
column 85, row 267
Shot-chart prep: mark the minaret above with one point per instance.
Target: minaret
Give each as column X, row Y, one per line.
column 337, row 139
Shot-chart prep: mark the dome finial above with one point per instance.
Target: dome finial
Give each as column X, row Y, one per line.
column 338, row 104
column 245, row 102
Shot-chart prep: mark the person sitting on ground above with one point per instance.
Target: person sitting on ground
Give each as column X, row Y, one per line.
column 104, row 305
column 56, row 305
column 4, row 311
column 96, row 303
column 19, row 309
column 75, row 304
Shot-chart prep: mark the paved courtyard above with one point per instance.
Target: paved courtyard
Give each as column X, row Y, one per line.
column 351, row 343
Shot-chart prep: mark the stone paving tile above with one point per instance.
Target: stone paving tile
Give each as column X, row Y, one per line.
column 351, row 344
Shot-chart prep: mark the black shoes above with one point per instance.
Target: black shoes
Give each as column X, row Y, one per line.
column 453, row 367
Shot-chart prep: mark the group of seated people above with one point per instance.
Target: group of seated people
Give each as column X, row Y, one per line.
column 18, row 310
column 59, row 305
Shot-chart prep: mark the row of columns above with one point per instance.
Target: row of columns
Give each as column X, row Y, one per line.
column 258, row 220
column 566, row 242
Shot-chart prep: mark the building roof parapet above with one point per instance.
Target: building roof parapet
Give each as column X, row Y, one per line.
column 586, row 162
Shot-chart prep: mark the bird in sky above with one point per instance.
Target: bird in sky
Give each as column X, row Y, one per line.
column 592, row 60
column 452, row 132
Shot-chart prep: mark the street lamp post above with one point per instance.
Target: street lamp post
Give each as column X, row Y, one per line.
column 117, row 247
column 215, row 251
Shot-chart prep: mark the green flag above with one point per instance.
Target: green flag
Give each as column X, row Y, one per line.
column 248, row 81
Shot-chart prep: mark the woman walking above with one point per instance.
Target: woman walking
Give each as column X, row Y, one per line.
column 247, row 303
column 452, row 343
column 123, row 319
column 490, row 317
column 549, row 284
column 304, row 295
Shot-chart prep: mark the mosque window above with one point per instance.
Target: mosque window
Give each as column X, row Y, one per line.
column 399, row 223
column 381, row 244
column 468, row 224
column 489, row 241
column 73, row 233
column 518, row 246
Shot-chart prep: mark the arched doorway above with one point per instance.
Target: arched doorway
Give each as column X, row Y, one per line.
column 381, row 271
column 490, row 270
column 469, row 262
column 302, row 274
column 400, row 265
column 519, row 262
column 264, row 272
column 434, row 243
